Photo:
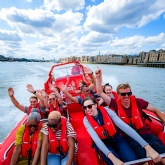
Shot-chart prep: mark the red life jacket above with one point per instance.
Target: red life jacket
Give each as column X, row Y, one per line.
column 51, row 108
column 108, row 126
column 115, row 95
column 54, row 144
column 136, row 119
column 27, row 144
column 30, row 109
column 39, row 111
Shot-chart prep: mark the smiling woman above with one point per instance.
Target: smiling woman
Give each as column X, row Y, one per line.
column 101, row 124
column 25, row 148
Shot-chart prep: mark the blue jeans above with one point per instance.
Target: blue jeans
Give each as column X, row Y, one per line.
column 120, row 148
column 151, row 139
column 54, row 159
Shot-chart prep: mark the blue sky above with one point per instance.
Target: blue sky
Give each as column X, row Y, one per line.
column 60, row 28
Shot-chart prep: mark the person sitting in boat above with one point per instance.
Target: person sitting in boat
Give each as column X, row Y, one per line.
column 28, row 141
column 53, row 101
column 85, row 92
column 101, row 124
column 107, row 89
column 33, row 101
column 76, row 69
column 130, row 110
column 89, row 80
column 58, row 145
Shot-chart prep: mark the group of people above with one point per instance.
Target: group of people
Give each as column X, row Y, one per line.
column 114, row 120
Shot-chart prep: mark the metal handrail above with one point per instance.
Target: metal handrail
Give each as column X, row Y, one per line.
column 142, row 160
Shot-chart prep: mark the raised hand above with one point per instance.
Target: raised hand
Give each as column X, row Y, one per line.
column 87, row 70
column 63, row 87
column 73, row 84
column 51, row 86
column 30, row 88
column 88, row 78
column 10, row 91
column 43, row 93
column 98, row 73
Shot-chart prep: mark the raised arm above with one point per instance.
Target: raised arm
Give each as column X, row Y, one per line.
column 54, row 89
column 87, row 71
column 65, row 91
column 36, row 93
column 45, row 98
column 59, row 97
column 105, row 97
column 14, row 101
column 74, row 88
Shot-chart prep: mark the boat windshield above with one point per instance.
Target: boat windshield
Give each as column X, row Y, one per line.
column 66, row 70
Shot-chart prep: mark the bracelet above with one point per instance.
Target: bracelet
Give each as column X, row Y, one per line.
column 34, row 92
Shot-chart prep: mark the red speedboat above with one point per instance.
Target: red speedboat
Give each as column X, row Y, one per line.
column 61, row 73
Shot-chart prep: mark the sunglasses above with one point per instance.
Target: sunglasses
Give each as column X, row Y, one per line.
column 52, row 99
column 53, row 125
column 126, row 93
column 33, row 125
column 88, row 106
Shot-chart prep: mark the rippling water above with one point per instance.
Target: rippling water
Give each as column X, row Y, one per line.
column 147, row 83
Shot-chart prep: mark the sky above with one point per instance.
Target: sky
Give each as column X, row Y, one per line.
column 61, row 28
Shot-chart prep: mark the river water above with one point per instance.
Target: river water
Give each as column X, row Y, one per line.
column 146, row 83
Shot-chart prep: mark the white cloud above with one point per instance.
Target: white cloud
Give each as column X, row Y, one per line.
column 94, row 38
column 29, row 0
column 10, row 35
column 9, row 41
column 137, row 41
column 41, row 22
column 64, row 4
column 111, row 15
column 163, row 45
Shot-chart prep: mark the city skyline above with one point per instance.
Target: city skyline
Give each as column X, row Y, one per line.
column 61, row 28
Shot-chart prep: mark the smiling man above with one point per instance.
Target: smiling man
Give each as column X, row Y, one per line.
column 130, row 110
column 36, row 101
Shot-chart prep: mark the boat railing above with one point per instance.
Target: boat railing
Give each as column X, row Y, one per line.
column 143, row 160
column 157, row 119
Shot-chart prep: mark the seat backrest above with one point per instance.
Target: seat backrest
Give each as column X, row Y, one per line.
column 74, row 108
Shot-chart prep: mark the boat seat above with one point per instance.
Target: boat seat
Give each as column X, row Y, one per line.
column 86, row 154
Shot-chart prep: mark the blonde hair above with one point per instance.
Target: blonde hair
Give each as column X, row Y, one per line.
column 54, row 115
column 122, row 86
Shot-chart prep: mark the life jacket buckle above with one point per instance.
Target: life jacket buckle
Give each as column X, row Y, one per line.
column 106, row 134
